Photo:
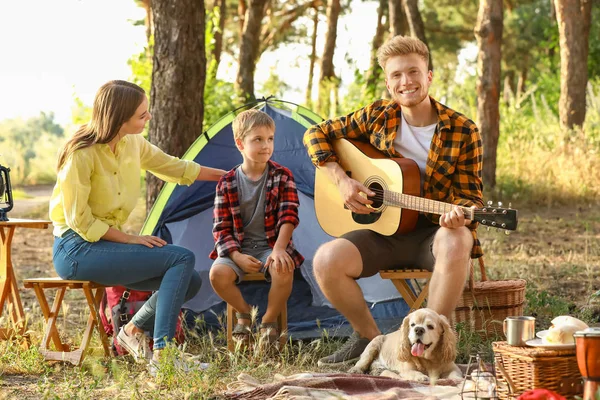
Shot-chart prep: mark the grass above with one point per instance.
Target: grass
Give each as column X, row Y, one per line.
column 19, row 194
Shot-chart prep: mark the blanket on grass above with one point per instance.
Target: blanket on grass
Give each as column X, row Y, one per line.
column 312, row 386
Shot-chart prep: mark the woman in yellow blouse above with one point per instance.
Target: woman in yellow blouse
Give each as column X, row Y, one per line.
column 97, row 187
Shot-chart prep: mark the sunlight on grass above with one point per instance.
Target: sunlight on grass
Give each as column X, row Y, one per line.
column 19, row 194
column 539, row 163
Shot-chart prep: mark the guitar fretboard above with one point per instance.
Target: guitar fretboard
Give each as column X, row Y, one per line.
column 421, row 204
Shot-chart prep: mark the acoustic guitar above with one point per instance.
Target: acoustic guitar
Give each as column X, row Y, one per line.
column 397, row 202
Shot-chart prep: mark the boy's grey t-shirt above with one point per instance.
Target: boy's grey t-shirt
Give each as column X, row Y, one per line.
column 252, row 196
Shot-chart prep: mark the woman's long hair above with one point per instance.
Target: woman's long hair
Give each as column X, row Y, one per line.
column 114, row 104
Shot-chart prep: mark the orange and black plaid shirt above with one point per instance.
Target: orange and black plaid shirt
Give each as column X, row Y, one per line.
column 453, row 171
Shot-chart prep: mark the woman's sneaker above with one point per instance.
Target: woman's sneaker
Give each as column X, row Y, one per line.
column 138, row 345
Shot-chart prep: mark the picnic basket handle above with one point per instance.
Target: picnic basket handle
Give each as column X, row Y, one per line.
column 472, row 272
column 509, row 382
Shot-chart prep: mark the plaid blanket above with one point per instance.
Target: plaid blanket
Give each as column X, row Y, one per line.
column 308, row 386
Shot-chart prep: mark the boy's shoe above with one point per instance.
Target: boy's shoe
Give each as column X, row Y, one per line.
column 183, row 362
column 350, row 351
column 242, row 333
column 269, row 335
column 138, row 345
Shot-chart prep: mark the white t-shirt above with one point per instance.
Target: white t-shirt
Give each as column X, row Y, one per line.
column 414, row 142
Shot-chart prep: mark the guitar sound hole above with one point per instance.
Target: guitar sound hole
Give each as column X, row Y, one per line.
column 378, row 198
column 366, row 219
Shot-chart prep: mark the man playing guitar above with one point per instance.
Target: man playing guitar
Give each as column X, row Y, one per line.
column 448, row 150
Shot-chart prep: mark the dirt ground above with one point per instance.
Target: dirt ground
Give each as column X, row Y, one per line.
column 556, row 250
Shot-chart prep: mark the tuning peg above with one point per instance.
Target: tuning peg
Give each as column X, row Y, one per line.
column 509, row 205
column 489, row 203
column 499, row 204
column 507, row 232
column 488, row 228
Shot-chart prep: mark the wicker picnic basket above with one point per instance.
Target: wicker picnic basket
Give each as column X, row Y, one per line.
column 519, row 369
column 485, row 304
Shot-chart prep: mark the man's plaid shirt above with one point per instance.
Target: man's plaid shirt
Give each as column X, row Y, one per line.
column 453, row 171
column 281, row 207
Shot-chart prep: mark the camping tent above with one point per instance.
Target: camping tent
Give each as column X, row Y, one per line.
column 183, row 215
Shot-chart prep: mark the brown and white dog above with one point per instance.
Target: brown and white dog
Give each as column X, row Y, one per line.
column 424, row 348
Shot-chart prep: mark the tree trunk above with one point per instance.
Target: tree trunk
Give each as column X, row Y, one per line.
column 489, row 38
column 415, row 23
column 219, row 33
column 374, row 72
column 328, row 80
column 242, row 7
column 178, row 77
column 313, row 58
column 398, row 22
column 249, row 50
column 574, row 18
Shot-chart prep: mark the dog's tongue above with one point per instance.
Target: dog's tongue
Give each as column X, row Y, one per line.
column 417, row 349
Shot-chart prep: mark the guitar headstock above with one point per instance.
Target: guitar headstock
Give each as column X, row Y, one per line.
column 497, row 217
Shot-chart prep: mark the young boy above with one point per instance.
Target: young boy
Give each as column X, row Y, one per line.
column 255, row 213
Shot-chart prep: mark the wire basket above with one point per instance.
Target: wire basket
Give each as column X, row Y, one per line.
column 485, row 304
column 519, row 369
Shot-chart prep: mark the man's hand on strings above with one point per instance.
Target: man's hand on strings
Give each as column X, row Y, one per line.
column 353, row 193
column 454, row 219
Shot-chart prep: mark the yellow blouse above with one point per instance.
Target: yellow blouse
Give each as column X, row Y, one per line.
column 97, row 189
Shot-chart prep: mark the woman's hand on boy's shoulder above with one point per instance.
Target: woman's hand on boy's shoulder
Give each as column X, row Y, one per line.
column 280, row 260
column 246, row 262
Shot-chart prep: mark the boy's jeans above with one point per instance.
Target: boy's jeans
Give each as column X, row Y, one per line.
column 169, row 270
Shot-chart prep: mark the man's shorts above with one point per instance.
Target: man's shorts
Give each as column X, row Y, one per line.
column 410, row 250
column 259, row 250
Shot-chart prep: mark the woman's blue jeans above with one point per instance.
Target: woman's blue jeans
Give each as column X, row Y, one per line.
column 168, row 270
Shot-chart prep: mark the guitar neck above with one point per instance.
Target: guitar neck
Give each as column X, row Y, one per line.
column 422, row 204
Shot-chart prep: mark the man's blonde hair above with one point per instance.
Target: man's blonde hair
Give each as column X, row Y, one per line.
column 401, row 46
column 247, row 120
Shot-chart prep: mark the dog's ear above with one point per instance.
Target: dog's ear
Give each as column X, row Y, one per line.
column 404, row 353
column 448, row 342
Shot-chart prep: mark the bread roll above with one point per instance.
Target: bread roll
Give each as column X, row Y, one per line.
column 568, row 320
column 561, row 334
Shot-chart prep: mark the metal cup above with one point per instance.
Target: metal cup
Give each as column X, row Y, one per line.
column 519, row 330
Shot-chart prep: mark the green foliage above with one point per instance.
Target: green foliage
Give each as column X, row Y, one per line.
column 448, row 26
column 570, row 168
column 80, row 113
column 218, row 98
column 32, row 145
column 358, row 95
column 530, row 38
column 327, row 104
column 274, row 85
column 141, row 67
column 16, row 359
column 470, row 343
column 544, row 307
column 594, row 44
column 218, row 94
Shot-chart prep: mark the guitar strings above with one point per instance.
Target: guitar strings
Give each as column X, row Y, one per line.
column 380, row 195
